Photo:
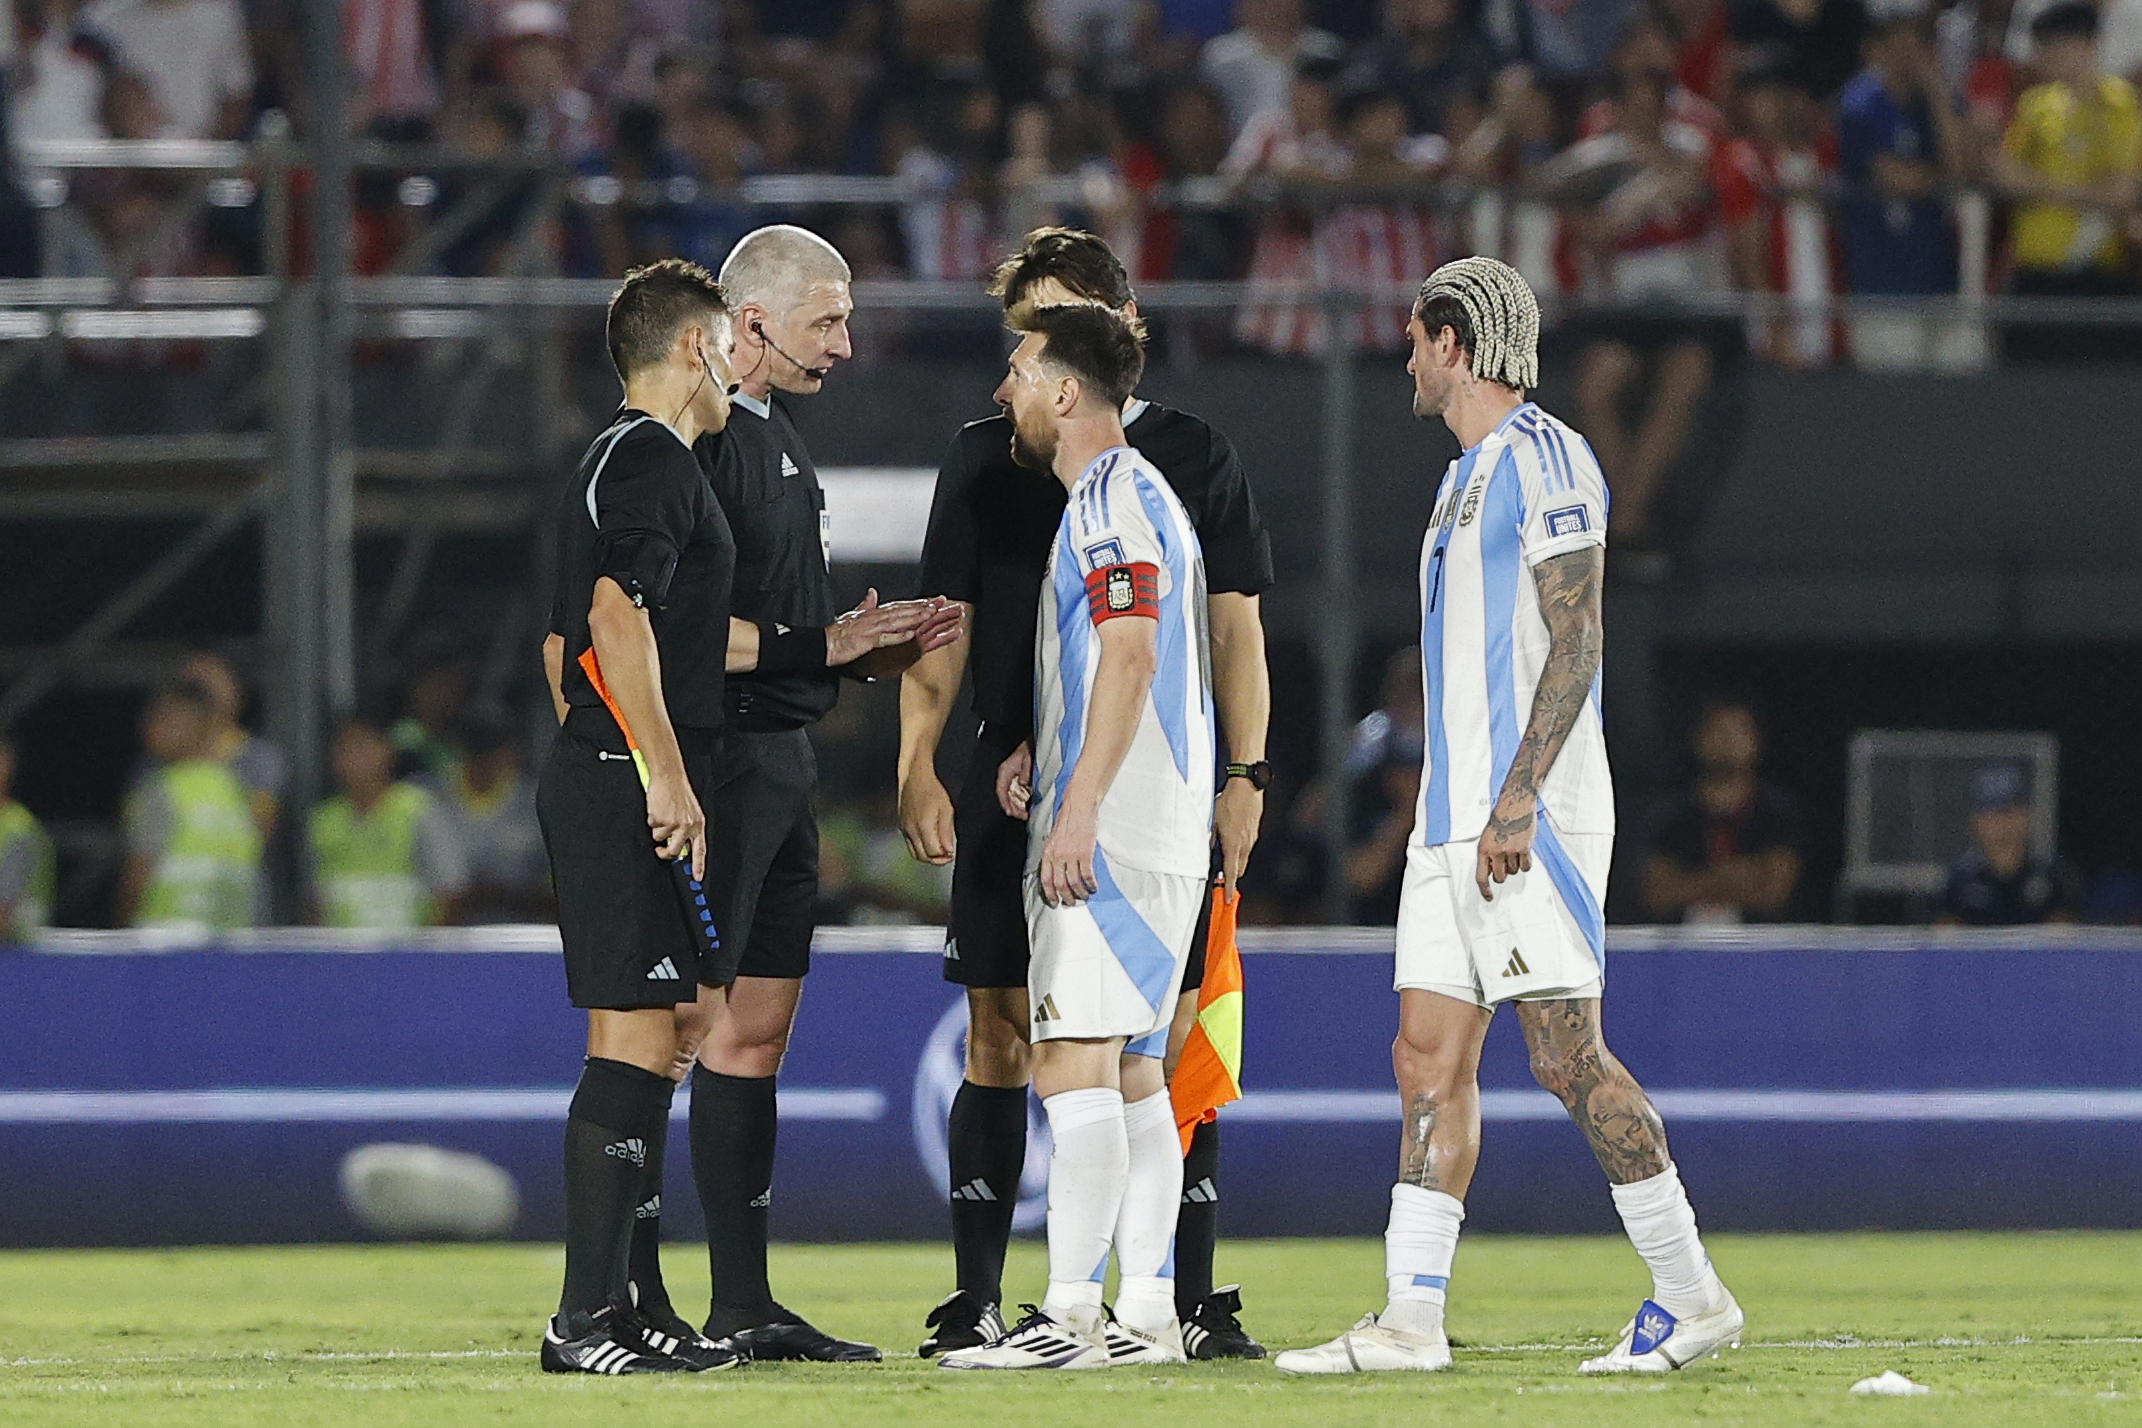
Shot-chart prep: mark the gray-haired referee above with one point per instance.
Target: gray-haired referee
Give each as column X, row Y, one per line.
column 1506, row 870
column 789, row 307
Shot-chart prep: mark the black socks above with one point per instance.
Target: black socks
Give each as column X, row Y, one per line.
column 643, row 1262
column 733, row 1129
column 987, row 1142
column 1197, row 1222
column 615, row 1127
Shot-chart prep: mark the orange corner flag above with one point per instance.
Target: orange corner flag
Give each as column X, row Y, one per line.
column 1209, row 1075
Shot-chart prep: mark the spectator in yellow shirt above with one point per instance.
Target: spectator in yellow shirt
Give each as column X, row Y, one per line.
column 2072, row 161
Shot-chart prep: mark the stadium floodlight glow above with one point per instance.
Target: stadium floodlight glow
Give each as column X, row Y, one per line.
column 19, row 325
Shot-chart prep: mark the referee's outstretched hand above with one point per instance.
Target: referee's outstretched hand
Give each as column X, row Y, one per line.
column 904, row 630
column 674, row 816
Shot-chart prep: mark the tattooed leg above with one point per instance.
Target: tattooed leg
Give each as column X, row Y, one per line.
column 1437, row 1061
column 1570, row 1059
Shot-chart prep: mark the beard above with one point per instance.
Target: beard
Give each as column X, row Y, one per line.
column 1428, row 405
column 1034, row 451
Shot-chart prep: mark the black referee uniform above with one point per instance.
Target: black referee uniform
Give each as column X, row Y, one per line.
column 762, row 851
column 762, row 862
column 638, row 511
column 991, row 524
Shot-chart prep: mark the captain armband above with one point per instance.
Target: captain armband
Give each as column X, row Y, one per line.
column 783, row 650
column 641, row 562
column 1114, row 591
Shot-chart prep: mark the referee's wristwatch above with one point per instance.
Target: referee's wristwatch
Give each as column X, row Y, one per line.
column 1259, row 773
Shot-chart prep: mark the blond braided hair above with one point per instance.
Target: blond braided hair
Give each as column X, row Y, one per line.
column 1504, row 314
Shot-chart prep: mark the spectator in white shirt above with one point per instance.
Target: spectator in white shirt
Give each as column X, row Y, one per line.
column 194, row 56
column 1252, row 67
column 54, row 84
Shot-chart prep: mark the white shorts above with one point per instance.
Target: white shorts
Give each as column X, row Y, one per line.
column 1543, row 937
column 1112, row 965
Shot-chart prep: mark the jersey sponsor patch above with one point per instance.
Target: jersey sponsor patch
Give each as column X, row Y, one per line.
column 1570, row 520
column 1107, row 553
column 1119, row 590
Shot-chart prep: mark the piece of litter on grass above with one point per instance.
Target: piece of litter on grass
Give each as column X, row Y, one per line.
column 1891, row 1384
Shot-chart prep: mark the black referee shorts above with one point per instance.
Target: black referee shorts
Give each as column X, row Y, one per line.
column 627, row 946
column 762, row 854
column 985, row 935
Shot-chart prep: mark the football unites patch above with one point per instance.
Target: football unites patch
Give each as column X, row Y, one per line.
column 1570, row 520
column 1113, row 591
column 1108, row 552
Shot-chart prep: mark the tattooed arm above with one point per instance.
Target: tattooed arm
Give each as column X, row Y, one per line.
column 1568, row 588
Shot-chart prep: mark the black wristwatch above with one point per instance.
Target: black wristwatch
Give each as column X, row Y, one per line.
column 1259, row 773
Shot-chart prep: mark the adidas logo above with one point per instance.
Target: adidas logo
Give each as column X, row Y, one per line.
column 788, row 466
column 976, row 1190
column 664, row 971
column 1046, row 1010
column 1202, row 1193
column 764, row 1198
column 1517, row 967
column 951, row 949
column 652, row 1210
column 633, row 1149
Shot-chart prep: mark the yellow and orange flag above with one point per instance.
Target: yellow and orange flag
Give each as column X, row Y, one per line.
column 1209, row 1075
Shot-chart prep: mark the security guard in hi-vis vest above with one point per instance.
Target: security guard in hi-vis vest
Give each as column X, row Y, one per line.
column 28, row 871
column 193, row 848
column 383, row 855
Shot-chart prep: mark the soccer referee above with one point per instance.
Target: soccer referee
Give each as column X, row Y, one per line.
column 991, row 525
column 645, row 572
column 788, row 290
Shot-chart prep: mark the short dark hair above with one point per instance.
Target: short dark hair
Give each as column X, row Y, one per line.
column 1440, row 310
column 191, row 693
column 652, row 306
column 1094, row 344
column 2069, row 20
column 1075, row 258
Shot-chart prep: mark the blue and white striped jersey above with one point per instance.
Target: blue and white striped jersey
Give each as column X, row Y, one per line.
column 1530, row 491
column 1157, row 814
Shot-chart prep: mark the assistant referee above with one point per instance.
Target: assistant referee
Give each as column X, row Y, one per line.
column 991, row 525
column 788, row 290
column 646, row 563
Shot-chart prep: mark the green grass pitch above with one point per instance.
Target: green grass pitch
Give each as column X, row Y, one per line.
column 2006, row 1329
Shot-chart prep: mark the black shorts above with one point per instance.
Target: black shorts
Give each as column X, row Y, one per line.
column 620, row 913
column 985, row 935
column 762, row 854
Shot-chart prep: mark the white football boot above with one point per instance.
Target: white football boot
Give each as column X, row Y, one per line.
column 1369, row 1347
column 1128, row 1345
column 1656, row 1342
column 1040, row 1342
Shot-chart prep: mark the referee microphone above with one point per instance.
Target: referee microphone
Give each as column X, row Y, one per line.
column 816, row 374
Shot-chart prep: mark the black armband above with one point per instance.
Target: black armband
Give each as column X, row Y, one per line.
column 641, row 562
column 786, row 651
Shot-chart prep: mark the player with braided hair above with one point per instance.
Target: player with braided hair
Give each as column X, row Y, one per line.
column 1506, row 869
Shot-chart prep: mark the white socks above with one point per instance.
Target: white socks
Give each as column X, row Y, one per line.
column 1662, row 1226
column 1145, row 1226
column 1087, row 1174
column 1418, row 1245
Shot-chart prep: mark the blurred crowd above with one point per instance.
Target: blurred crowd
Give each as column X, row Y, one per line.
column 430, row 821
column 1655, row 149
column 1728, row 847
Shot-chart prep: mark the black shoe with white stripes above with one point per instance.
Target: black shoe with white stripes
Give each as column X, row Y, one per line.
column 1215, row 1331
column 961, row 1320
column 661, row 1330
column 600, row 1343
